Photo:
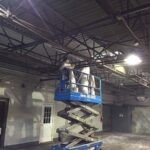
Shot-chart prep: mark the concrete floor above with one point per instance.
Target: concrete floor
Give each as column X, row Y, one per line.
column 120, row 141
column 112, row 141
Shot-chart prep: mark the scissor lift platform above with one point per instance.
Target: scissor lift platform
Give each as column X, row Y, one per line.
column 78, row 113
column 76, row 96
column 87, row 146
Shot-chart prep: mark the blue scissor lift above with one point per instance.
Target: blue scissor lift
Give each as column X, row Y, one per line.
column 79, row 98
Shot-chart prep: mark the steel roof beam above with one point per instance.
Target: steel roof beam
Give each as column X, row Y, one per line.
column 22, row 46
column 135, row 10
column 105, row 5
column 104, row 20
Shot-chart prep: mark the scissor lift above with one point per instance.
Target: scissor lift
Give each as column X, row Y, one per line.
column 78, row 133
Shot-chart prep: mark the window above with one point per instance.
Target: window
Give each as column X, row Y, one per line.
column 47, row 114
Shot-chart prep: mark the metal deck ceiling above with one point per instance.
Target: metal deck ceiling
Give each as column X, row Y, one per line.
column 88, row 32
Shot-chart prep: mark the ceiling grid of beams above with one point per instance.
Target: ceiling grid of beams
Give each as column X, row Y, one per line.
column 92, row 42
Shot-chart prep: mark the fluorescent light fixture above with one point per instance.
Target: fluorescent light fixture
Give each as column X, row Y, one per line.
column 133, row 60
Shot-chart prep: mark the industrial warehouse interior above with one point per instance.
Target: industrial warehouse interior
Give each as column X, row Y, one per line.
column 74, row 74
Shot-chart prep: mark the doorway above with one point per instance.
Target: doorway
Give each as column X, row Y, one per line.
column 4, row 103
column 122, row 119
column 107, row 118
column 46, row 124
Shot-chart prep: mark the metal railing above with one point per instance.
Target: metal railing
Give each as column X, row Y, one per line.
column 78, row 81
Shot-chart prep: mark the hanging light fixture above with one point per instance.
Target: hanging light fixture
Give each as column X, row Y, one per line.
column 133, row 60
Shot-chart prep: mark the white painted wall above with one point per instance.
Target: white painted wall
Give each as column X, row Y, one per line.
column 141, row 115
column 25, row 108
column 141, row 120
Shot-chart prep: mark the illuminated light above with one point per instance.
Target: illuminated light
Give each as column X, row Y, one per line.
column 118, row 52
column 133, row 60
column 136, row 44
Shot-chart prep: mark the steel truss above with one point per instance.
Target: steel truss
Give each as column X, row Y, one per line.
column 87, row 50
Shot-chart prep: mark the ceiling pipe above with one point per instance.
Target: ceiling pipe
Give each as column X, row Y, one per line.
column 105, row 5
